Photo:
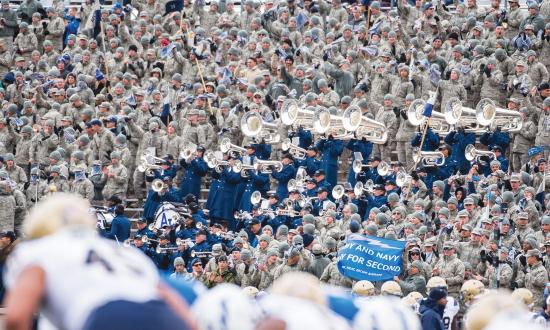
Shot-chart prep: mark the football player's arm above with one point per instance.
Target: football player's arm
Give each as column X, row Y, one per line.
column 177, row 305
column 24, row 298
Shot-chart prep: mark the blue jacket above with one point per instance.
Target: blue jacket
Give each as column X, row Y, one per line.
column 374, row 201
column 120, row 229
column 496, row 138
column 431, row 141
column 330, row 151
column 194, row 171
column 263, row 150
column 431, row 315
column 311, row 164
column 153, row 201
column 365, row 148
column 214, row 188
column 325, row 184
column 224, row 203
column 259, row 182
column 145, row 232
column 458, row 143
column 288, row 172
column 305, row 136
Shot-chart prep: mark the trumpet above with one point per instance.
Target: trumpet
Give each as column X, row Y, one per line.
column 170, row 249
column 213, row 162
column 265, row 166
column 304, row 201
column 227, row 147
column 128, row 243
column 201, row 254
column 294, row 184
column 188, row 151
column 242, row 168
column 361, row 188
column 294, row 150
column 145, row 239
column 158, row 185
column 226, row 235
column 242, row 215
column 187, row 242
column 288, row 212
column 473, row 154
column 428, row 158
column 364, row 127
column 338, row 192
column 253, row 125
column 383, row 167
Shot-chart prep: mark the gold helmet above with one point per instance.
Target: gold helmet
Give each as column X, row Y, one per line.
column 408, row 301
column 523, row 295
column 488, row 307
column 417, row 296
column 55, row 212
column 309, row 288
column 435, row 282
column 363, row 288
column 391, row 288
column 470, row 290
column 250, row 291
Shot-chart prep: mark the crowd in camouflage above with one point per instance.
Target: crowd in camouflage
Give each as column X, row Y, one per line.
column 80, row 109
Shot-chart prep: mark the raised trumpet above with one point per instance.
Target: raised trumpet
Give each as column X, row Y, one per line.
column 294, row 150
column 383, row 167
column 473, row 154
column 361, row 188
column 201, row 254
column 428, row 158
column 364, row 127
column 145, row 239
column 170, row 249
column 264, row 166
column 189, row 151
column 227, row 147
column 253, row 125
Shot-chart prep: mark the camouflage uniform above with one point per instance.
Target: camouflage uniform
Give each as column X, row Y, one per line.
column 332, row 276
column 535, row 280
column 452, row 270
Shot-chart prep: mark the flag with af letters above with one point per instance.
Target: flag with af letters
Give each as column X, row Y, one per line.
column 371, row 258
column 428, row 108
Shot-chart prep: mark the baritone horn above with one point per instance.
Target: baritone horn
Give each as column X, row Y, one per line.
column 473, row 154
column 473, row 121
column 338, row 192
column 428, row 158
column 253, row 125
column 383, row 167
column 507, row 120
column 438, row 121
column 158, row 185
column 361, row 188
column 227, row 147
column 364, row 127
column 265, row 166
column 294, row 150
column 240, row 167
column 189, row 151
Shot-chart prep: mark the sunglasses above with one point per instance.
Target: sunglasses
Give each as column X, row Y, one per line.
column 415, row 254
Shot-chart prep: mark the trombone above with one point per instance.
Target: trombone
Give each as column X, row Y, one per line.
column 265, row 166
column 383, row 167
column 361, row 188
column 364, row 127
column 145, row 239
column 294, row 150
column 227, row 147
column 253, row 125
column 200, row 254
column 428, row 158
column 473, row 154
column 170, row 249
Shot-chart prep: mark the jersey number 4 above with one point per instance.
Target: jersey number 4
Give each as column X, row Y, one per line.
column 94, row 258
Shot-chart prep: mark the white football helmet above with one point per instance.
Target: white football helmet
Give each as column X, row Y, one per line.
column 385, row 313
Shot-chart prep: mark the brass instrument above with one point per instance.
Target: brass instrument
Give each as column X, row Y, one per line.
column 438, row 121
column 242, row 168
column 479, row 120
column 227, row 147
column 473, row 154
column 293, row 184
column 294, row 150
column 202, row 254
column 127, row 243
column 361, row 188
column 328, row 124
column 147, row 163
column 303, row 201
column 364, row 127
column 189, row 243
column 293, row 115
column 146, row 240
column 402, row 179
column 383, row 167
column 253, row 125
column 215, row 163
column 189, row 151
column 507, row 120
column 256, row 197
column 158, row 185
column 263, row 166
column 428, row 158
column 338, row 192
column 170, row 249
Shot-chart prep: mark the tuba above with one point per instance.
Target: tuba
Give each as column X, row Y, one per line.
column 473, row 121
column 264, row 166
column 227, row 147
column 507, row 120
column 428, row 158
column 294, row 150
column 364, row 127
column 253, row 125
column 383, row 167
column 473, row 154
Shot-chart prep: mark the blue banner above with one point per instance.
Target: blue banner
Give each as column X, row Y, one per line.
column 371, row 258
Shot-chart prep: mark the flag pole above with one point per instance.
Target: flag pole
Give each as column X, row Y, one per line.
column 104, row 53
